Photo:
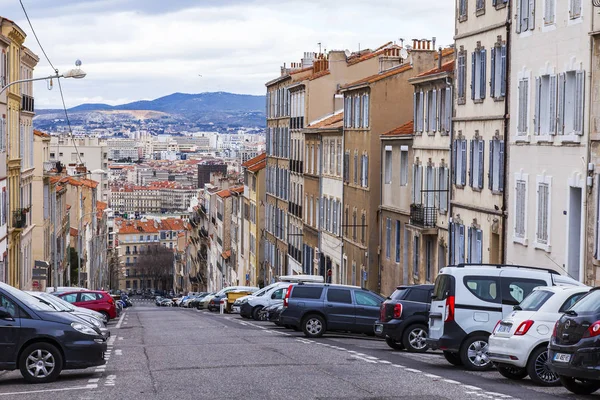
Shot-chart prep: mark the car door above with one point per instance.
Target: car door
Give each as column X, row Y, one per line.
column 517, row 284
column 366, row 310
column 276, row 296
column 9, row 331
column 88, row 300
column 70, row 297
column 339, row 310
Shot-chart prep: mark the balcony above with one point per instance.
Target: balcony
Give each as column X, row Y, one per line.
column 425, row 217
column 203, row 233
column 20, row 218
column 50, row 167
column 27, row 103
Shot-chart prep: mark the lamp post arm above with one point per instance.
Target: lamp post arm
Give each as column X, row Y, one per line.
column 30, row 80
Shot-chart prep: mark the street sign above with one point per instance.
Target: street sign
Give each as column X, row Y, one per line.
column 40, row 270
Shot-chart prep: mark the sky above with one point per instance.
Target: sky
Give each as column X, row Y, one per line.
column 144, row 49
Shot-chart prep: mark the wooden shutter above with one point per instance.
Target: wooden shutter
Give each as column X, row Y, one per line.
column 413, row 192
column 538, row 101
column 479, row 245
column 459, row 73
column 552, row 110
column 579, row 101
column 433, row 112
column 518, row 15
column 473, row 66
column 520, row 109
column 366, row 106
column 470, row 244
column 427, row 110
column 531, row 16
column 481, row 150
column 464, row 161
column 483, row 79
column 415, row 111
column 461, row 244
column 366, row 171
column 501, row 160
column 471, row 164
column 503, row 72
column 454, row 160
column 560, row 118
column 493, row 72
column 493, row 144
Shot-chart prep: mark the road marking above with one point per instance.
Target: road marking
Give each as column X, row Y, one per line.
column 384, row 362
column 432, row 376
column 415, row 371
column 51, row 390
column 95, row 380
column 364, row 359
column 469, row 387
column 451, row 381
column 119, row 352
column 110, row 380
column 120, row 320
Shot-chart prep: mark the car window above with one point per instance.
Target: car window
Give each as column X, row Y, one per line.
column 571, row 301
column 483, row 287
column 10, row 306
column 365, row 299
column 88, row 297
column 71, row 297
column 278, row 294
column 535, row 300
column 514, row 290
column 339, row 296
column 399, row 294
column 418, row 295
column 307, row 292
column 444, row 287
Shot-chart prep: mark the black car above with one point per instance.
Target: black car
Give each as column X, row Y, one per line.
column 403, row 319
column 41, row 342
column 317, row 308
column 574, row 350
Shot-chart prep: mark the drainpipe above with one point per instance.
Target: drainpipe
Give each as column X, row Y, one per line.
column 506, row 137
column 380, row 216
column 451, row 183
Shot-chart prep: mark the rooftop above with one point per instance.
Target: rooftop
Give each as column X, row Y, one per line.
column 380, row 76
column 331, row 121
column 406, row 129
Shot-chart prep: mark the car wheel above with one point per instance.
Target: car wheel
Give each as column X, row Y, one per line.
column 579, row 386
column 414, row 338
column 474, row 354
column 255, row 312
column 40, row 363
column 453, row 358
column 106, row 316
column 514, row 373
column 394, row 344
column 538, row 369
column 313, row 326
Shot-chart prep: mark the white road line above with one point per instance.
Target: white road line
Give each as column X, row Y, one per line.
column 51, row 390
column 384, row 362
column 95, row 380
column 469, row 387
column 120, row 320
column 414, row 370
column 363, row 359
column 433, row 376
column 451, row 381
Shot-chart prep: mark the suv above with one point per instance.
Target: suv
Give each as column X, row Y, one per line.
column 316, row 308
column 575, row 345
column 469, row 299
column 403, row 318
column 96, row 300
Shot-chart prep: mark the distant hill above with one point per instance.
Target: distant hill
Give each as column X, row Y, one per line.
column 218, row 108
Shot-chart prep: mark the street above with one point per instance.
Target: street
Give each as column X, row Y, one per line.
column 160, row 353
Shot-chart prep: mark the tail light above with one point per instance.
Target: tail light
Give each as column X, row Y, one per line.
column 111, row 300
column 555, row 329
column 523, row 328
column 286, row 299
column 593, row 330
column 382, row 313
column 397, row 310
column 496, row 326
column 449, row 309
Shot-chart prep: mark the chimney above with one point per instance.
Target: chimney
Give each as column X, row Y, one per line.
column 433, row 39
column 440, row 58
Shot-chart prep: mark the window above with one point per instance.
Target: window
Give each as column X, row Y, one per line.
column 403, row 165
column 364, row 181
column 388, row 237
column 278, row 294
column 348, row 112
column 477, row 155
column 418, row 295
column 457, row 233
column 443, row 188
column 462, row 10
column 71, row 298
column 354, row 221
column 355, row 167
column 496, row 166
column 459, row 151
column 445, row 120
column 574, row 9
column 520, row 205
column 498, row 78
column 549, row 11
column 356, row 115
column 525, row 15
column 418, row 111
column 366, row 299
column 416, row 192
column 523, row 105
column 514, row 290
column 416, row 246
column 478, row 70
column 397, row 241
column 88, row 297
column 365, row 111
column 461, row 72
column 306, row 292
column 475, row 245
column 570, row 102
column 363, row 227
column 542, row 235
column 569, row 302
column 388, row 165
column 339, row 158
column 484, row 288
column 347, row 167
column 339, row 296
column 9, row 306
column 545, row 105
column 588, row 304
column 479, row 6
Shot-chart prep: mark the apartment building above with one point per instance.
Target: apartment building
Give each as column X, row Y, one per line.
column 254, row 214
column 155, row 198
column 42, row 234
column 207, row 172
column 135, row 238
column 373, row 105
column 478, row 205
column 549, row 135
column 394, row 222
column 60, row 232
column 124, row 149
column 426, row 249
column 4, row 267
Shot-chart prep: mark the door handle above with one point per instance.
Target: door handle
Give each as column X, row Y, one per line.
column 329, row 305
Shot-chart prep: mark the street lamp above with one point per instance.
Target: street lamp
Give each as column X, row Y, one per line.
column 76, row 73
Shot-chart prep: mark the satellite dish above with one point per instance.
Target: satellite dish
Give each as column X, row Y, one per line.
column 403, row 53
column 347, row 52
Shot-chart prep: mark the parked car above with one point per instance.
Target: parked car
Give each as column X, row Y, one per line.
column 318, row 308
column 272, row 312
column 157, row 300
column 196, row 301
column 519, row 343
column 404, row 316
column 180, row 300
column 41, row 342
column 575, row 345
column 95, row 300
column 214, row 305
column 167, row 303
column 273, row 295
column 469, row 299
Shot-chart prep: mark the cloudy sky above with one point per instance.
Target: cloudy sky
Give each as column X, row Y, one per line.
column 144, row 49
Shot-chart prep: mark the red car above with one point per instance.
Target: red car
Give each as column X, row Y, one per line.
column 95, row 300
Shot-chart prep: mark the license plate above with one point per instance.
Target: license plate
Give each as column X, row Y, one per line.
column 235, row 309
column 562, row 357
column 503, row 329
column 378, row 328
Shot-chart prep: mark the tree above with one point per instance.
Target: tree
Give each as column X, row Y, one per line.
column 156, row 264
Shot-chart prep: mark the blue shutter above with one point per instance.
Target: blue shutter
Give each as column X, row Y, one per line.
column 473, row 76
column 481, row 159
column 483, row 65
column 493, row 70
column 501, row 183
column 454, row 152
column 471, row 163
column 503, row 75
column 464, row 161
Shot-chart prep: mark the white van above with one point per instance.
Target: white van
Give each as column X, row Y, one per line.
column 468, row 300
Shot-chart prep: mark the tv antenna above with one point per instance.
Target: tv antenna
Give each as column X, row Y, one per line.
column 319, row 47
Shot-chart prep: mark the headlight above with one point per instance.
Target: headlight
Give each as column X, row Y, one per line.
column 94, row 322
column 86, row 330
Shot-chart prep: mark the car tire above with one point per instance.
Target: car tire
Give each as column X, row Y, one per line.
column 453, row 358
column 414, row 338
column 313, row 326
column 579, row 386
column 255, row 312
column 37, row 353
column 473, row 354
column 105, row 316
column 394, row 344
column 538, row 368
column 512, row 373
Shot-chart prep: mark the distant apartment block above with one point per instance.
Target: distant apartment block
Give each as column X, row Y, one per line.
column 205, row 171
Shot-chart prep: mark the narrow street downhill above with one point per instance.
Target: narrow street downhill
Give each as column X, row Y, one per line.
column 174, row 353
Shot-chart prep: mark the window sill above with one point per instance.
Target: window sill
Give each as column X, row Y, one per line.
column 431, row 134
column 544, row 247
column 462, row 18
column 478, row 101
column 523, row 138
column 480, row 12
column 525, row 34
column 543, row 138
column 500, row 6
column 461, row 101
column 571, row 138
column 498, row 99
column 459, row 186
column 476, row 189
column 574, row 21
column 497, row 192
column 549, row 27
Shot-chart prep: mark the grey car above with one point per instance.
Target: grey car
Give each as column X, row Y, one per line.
column 318, row 308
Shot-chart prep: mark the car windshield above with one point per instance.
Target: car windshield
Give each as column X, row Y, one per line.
column 27, row 299
column 535, row 300
column 56, row 302
column 590, row 303
column 398, row 294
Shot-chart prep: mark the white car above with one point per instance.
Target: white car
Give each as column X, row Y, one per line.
column 519, row 344
column 274, row 294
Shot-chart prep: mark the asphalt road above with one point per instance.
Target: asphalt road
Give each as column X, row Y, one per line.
column 171, row 353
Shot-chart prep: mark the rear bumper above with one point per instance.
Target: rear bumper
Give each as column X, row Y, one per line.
column 246, row 310
column 584, row 363
column 393, row 329
column 451, row 339
column 84, row 354
column 513, row 350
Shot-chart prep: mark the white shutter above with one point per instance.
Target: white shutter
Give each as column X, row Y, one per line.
column 520, row 109
column 448, row 106
column 560, row 118
column 481, row 151
column 415, row 111
column 552, row 110
column 366, row 106
column 413, row 192
column 434, row 112
column 579, row 102
column 538, row 101
column 531, row 17
column 427, row 110
column 464, row 161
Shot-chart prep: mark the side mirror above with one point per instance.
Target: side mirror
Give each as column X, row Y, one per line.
column 5, row 315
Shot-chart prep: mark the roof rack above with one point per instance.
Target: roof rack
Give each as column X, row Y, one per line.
column 463, row 265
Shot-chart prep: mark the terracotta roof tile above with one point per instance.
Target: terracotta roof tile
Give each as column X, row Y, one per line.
column 40, row 133
column 377, row 77
column 402, row 130
column 330, row 121
column 360, row 58
column 224, row 193
column 74, row 232
column 238, row 189
column 445, row 52
column 319, row 75
column 255, row 160
column 226, row 254
column 258, row 167
column 447, row 67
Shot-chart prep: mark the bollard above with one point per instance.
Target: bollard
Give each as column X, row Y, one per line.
column 222, row 306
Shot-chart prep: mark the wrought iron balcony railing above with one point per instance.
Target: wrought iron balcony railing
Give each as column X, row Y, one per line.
column 422, row 216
